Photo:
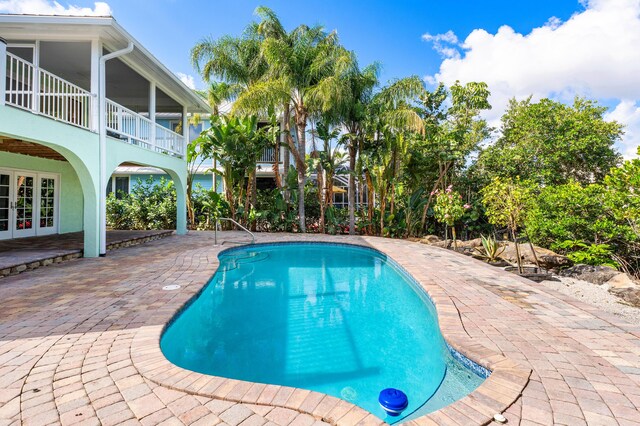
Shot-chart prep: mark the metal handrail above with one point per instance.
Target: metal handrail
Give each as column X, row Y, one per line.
column 215, row 228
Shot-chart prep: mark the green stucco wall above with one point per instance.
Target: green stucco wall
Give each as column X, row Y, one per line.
column 71, row 199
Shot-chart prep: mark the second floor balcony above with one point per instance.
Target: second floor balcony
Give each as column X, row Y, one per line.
column 41, row 92
column 53, row 67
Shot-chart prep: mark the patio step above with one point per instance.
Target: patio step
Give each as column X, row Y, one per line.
column 29, row 259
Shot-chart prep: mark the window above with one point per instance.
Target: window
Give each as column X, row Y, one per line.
column 121, row 185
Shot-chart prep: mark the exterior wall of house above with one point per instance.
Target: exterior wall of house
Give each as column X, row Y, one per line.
column 204, row 180
column 80, row 148
column 71, row 199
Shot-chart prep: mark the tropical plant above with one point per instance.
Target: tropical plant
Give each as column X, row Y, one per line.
column 198, row 151
column 491, row 249
column 449, row 208
column 589, row 254
column 149, row 205
column 506, row 202
column 236, row 144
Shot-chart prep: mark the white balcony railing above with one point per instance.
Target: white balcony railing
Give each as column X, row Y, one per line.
column 133, row 128
column 44, row 93
column 268, row 156
column 20, row 80
column 168, row 141
column 124, row 124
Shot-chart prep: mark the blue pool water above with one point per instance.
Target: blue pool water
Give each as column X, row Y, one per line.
column 336, row 319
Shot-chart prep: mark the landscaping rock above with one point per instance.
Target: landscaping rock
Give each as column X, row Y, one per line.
column 470, row 244
column 593, row 274
column 554, row 262
column 622, row 280
column 430, row 239
column 547, row 258
column 629, row 295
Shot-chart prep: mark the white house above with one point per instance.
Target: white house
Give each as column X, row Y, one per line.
column 79, row 97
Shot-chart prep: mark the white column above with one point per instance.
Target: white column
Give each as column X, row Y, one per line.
column 3, row 70
column 185, row 131
column 35, row 107
column 96, row 49
column 152, row 113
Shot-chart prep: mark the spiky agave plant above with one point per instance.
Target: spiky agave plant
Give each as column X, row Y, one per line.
column 491, row 249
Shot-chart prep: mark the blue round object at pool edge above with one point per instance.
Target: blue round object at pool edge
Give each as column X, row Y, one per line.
column 393, row 401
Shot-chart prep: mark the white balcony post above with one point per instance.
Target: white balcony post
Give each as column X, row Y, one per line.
column 3, row 70
column 185, row 133
column 96, row 50
column 35, row 107
column 152, row 114
column 102, row 131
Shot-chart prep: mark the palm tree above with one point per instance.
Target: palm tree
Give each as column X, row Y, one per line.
column 366, row 114
column 390, row 119
column 218, row 93
column 353, row 113
column 306, row 70
column 235, row 60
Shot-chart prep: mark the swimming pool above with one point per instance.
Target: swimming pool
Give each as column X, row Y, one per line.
column 337, row 319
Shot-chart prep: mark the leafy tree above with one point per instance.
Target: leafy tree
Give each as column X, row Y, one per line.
column 506, row 201
column 198, row 151
column 570, row 212
column 552, row 143
column 623, row 186
column 449, row 208
column 454, row 129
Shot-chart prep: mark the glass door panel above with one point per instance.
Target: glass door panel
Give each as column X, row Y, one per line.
column 24, row 225
column 6, row 204
column 48, row 215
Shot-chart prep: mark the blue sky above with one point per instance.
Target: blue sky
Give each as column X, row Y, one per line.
column 385, row 31
column 544, row 48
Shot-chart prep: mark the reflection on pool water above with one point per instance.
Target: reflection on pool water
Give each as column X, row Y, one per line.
column 337, row 319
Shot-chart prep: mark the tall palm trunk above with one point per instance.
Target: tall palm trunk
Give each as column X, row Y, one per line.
column 329, row 188
column 301, row 124
column 383, row 206
column 254, row 195
column 276, row 164
column 352, row 188
column 370, row 193
column 289, row 142
column 321, row 199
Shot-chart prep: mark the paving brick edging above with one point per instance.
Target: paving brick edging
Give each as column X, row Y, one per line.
column 497, row 393
column 57, row 258
column 138, row 240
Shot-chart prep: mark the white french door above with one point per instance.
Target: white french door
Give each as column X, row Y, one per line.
column 28, row 203
column 23, row 204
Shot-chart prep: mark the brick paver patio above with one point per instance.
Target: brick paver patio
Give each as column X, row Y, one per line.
column 79, row 345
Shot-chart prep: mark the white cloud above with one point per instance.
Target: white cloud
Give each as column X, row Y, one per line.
column 47, row 7
column 594, row 54
column 445, row 44
column 188, row 80
column 628, row 112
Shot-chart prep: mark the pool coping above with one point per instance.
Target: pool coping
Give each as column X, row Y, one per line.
column 497, row 393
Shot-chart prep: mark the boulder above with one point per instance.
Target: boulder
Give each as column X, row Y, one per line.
column 546, row 258
column 593, row 274
column 622, row 280
column 430, row 239
column 554, row 261
column 470, row 244
column 629, row 295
